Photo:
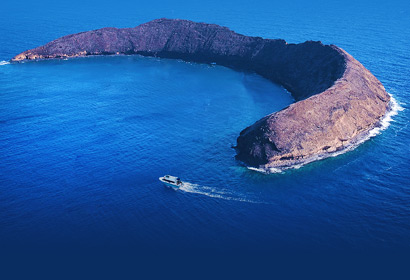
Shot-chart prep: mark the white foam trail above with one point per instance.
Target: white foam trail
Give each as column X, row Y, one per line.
column 394, row 109
column 4, row 62
column 213, row 192
column 261, row 170
column 265, row 171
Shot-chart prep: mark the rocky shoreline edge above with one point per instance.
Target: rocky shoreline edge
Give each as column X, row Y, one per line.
column 393, row 109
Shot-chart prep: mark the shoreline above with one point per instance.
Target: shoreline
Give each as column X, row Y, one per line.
column 393, row 109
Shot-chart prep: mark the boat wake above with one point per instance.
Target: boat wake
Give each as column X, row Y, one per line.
column 4, row 62
column 215, row 193
column 394, row 109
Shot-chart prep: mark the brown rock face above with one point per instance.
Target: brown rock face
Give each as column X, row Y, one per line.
column 338, row 99
column 320, row 124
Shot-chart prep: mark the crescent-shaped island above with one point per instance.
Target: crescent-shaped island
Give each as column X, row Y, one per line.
column 338, row 101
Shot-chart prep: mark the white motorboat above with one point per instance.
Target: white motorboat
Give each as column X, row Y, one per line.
column 171, row 181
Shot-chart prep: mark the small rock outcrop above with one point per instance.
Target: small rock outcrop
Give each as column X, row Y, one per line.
column 337, row 99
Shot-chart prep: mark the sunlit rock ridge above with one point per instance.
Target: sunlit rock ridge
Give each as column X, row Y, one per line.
column 337, row 99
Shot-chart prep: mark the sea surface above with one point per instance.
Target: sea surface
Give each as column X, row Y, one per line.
column 83, row 141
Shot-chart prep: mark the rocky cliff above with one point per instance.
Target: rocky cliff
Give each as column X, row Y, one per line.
column 338, row 100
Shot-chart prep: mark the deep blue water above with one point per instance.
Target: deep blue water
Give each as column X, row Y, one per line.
column 83, row 141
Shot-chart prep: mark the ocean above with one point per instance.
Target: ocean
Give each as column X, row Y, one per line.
column 83, row 141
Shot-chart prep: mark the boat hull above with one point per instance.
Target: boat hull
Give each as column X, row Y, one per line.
column 172, row 186
column 169, row 184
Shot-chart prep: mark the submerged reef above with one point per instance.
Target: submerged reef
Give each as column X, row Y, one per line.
column 337, row 99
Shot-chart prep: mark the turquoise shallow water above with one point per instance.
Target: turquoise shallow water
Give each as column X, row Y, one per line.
column 83, row 141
